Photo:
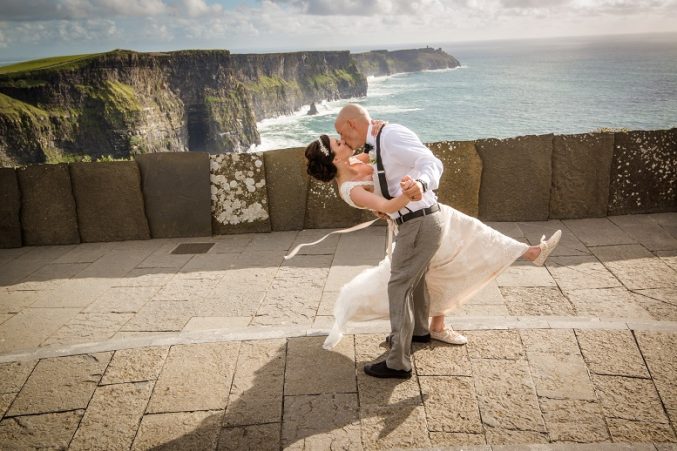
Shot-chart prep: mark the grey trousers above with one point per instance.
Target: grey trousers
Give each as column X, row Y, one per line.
column 416, row 243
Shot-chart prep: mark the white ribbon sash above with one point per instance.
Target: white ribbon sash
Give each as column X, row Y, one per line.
column 364, row 225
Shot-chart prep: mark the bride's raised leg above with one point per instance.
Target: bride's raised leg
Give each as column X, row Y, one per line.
column 538, row 254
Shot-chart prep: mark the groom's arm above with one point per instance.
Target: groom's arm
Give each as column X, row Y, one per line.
column 408, row 150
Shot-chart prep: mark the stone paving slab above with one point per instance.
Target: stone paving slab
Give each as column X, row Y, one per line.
column 223, row 350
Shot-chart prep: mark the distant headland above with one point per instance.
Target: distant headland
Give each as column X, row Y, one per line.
column 122, row 102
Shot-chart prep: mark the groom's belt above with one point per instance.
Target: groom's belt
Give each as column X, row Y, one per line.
column 418, row 213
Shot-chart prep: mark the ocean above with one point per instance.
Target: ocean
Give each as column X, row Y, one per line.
column 513, row 88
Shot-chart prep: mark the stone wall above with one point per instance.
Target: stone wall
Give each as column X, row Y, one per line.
column 190, row 194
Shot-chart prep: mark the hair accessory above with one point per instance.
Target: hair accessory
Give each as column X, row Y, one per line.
column 323, row 149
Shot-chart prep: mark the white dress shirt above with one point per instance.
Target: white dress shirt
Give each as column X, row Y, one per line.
column 403, row 153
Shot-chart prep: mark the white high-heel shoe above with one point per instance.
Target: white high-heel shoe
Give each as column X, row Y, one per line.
column 547, row 247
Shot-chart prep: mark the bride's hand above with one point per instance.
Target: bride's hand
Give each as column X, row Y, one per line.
column 376, row 126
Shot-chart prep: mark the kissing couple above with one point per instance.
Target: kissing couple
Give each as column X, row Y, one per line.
column 440, row 258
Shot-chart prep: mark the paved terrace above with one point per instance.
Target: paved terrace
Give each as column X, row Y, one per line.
column 131, row 345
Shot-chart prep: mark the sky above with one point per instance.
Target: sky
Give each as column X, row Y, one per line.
column 40, row 28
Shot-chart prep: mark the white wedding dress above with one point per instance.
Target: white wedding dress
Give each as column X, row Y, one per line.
column 470, row 256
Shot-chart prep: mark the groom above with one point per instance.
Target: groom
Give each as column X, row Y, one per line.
column 404, row 165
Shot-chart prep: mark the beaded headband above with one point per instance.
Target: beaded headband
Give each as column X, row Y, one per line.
column 323, row 149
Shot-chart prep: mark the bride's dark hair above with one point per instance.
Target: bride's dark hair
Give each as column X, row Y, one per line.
column 320, row 165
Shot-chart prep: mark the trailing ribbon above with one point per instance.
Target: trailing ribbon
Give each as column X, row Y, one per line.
column 355, row 228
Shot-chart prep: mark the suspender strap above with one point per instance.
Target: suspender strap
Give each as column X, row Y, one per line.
column 379, row 168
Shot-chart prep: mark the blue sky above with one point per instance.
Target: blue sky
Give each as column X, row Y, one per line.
column 38, row 28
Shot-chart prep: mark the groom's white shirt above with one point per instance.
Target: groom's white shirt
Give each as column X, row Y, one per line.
column 403, row 153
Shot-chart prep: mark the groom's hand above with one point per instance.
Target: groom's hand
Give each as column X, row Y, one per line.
column 411, row 188
column 380, row 214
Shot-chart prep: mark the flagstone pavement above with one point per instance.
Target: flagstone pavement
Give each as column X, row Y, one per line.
column 135, row 345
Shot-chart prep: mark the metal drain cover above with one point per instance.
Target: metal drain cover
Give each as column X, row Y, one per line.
column 192, row 248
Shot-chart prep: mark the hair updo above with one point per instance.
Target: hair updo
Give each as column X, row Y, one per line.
column 320, row 166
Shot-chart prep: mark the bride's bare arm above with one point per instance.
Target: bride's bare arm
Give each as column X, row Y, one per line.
column 366, row 199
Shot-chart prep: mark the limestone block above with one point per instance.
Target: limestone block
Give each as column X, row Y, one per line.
column 559, row 376
column 629, row 398
column 460, row 182
column 239, row 194
column 88, row 328
column 32, row 326
column 256, row 393
column 177, row 431
column 468, row 442
column 553, row 341
column 525, row 275
column 536, row 301
column 570, row 420
column 660, row 352
column 580, row 175
column 312, row 370
column 122, row 299
column 158, row 316
column 135, row 365
column 10, row 207
column 109, row 201
column 612, row 352
column 260, row 437
column 451, row 404
column 48, row 431
column 5, row 401
column 287, row 183
column 59, row 384
column 400, row 427
column 195, row 377
column 295, row 293
column 647, row 231
column 441, row 359
column 636, row 267
column 506, row 395
column 13, row 375
column 516, row 178
column 176, row 193
column 495, row 344
column 640, row 431
column 325, row 209
column 580, row 272
column 643, row 172
column 327, row 421
column 112, row 417
column 501, row 436
column 607, row 303
column 48, row 214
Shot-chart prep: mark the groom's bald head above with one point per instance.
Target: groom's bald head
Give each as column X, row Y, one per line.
column 352, row 123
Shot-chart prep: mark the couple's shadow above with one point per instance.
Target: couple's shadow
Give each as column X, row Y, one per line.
column 291, row 393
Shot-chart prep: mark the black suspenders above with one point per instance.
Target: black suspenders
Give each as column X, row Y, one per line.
column 379, row 168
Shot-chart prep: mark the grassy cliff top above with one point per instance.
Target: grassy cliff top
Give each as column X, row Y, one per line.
column 46, row 63
column 73, row 61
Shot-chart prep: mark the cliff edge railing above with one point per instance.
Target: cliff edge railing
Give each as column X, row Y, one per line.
column 192, row 194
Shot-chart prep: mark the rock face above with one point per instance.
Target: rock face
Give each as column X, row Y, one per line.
column 383, row 62
column 123, row 103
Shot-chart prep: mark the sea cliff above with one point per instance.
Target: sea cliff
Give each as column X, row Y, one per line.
column 384, row 62
column 123, row 103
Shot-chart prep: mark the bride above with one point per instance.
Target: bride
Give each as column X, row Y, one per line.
column 470, row 256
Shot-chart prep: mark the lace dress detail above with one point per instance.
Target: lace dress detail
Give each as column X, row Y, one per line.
column 346, row 187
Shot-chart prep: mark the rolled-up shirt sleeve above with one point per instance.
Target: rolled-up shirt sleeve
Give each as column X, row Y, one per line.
column 411, row 152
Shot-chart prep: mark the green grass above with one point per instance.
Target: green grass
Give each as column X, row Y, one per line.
column 12, row 107
column 46, row 63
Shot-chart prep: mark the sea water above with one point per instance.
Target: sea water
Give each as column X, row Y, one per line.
column 513, row 88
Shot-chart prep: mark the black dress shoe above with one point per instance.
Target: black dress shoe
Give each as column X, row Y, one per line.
column 420, row 338
column 414, row 339
column 381, row 370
